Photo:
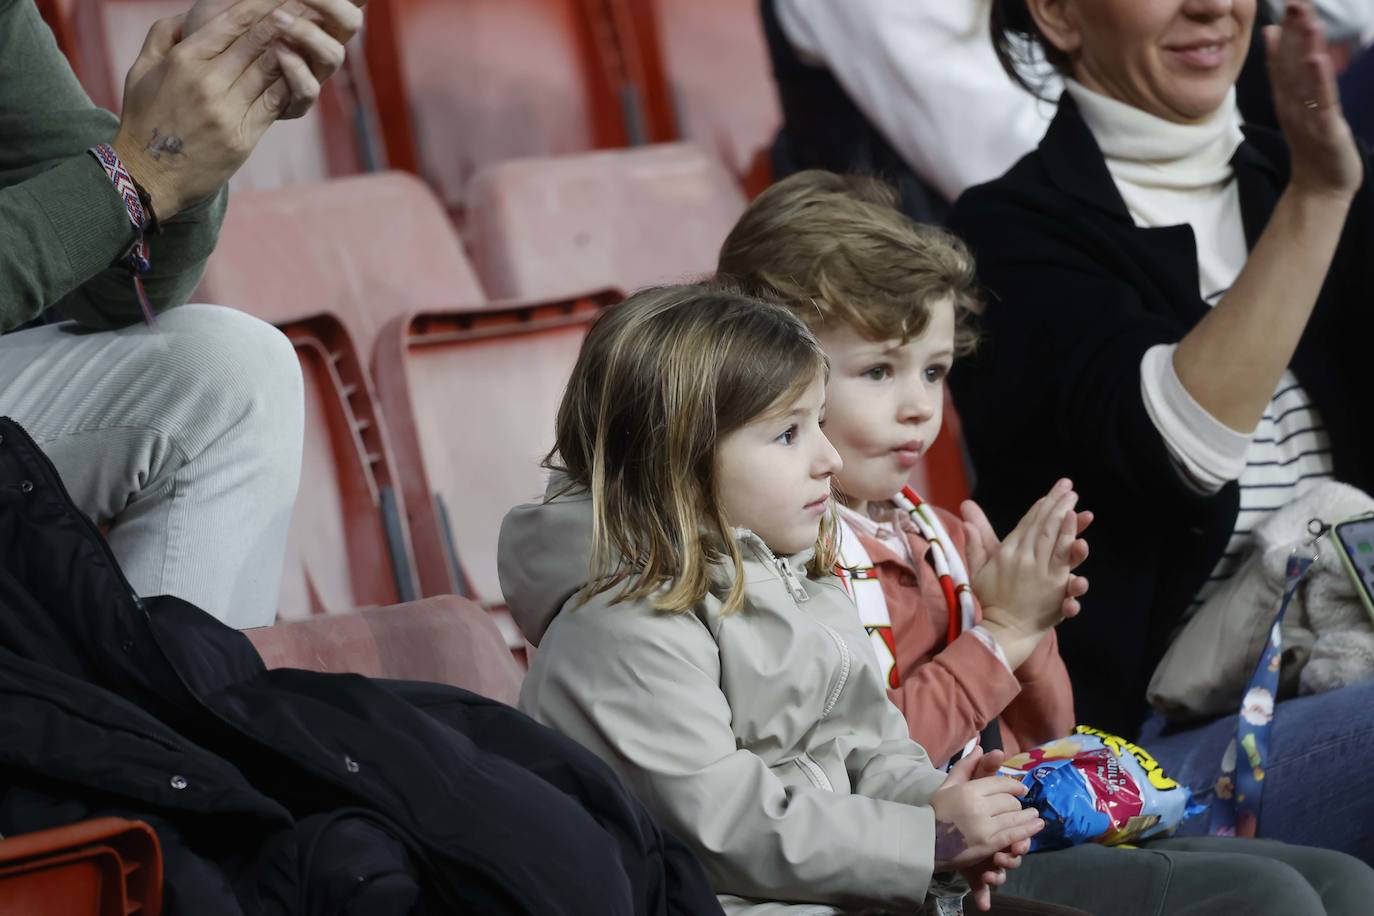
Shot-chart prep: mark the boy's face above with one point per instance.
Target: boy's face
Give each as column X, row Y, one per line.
column 885, row 402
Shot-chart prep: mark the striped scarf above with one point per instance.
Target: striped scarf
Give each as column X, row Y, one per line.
column 857, row 574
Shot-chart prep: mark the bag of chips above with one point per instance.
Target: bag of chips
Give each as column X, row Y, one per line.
column 1094, row 787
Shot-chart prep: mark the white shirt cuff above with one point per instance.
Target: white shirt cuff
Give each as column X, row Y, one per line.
column 1208, row 453
column 986, row 639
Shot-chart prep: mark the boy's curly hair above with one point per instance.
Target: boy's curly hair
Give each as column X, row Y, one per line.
column 835, row 248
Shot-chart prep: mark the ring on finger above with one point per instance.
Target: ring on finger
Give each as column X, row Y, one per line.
column 1311, row 104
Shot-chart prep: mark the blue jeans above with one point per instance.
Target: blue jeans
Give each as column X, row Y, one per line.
column 1319, row 780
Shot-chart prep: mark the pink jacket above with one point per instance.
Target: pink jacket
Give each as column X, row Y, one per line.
column 949, row 693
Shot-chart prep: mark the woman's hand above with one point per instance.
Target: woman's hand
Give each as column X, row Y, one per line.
column 979, row 822
column 1025, row 583
column 309, row 51
column 194, row 107
column 1326, row 161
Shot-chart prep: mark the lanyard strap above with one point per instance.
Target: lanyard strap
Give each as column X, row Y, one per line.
column 1236, row 808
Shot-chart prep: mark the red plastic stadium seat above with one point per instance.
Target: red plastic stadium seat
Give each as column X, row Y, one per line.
column 461, row 84
column 445, row 640
column 348, row 544
column 366, row 248
column 106, row 37
column 101, row 867
column 545, row 227
column 713, row 61
column 472, row 399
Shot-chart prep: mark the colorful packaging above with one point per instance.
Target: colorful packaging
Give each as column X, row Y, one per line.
column 1094, row 787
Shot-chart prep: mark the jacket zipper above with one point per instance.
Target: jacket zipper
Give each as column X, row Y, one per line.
column 799, row 595
column 789, row 578
column 813, row 772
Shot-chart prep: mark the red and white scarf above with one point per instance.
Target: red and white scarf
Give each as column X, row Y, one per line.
column 860, row 579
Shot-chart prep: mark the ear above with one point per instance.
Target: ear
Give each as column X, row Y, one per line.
column 1058, row 22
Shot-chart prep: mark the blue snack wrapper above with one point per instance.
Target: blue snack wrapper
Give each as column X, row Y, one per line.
column 1095, row 787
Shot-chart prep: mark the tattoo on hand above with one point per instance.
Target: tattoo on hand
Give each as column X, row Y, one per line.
column 164, row 143
column 949, row 842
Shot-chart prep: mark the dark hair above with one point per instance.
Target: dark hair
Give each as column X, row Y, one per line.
column 1021, row 47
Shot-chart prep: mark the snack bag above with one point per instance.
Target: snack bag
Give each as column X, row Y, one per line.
column 1093, row 787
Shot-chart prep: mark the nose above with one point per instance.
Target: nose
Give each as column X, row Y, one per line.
column 1207, row 9
column 828, row 461
column 918, row 401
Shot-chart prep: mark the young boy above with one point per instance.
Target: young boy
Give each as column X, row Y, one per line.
column 891, row 303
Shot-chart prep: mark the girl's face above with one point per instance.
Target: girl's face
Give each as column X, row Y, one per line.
column 773, row 474
column 885, row 403
column 1176, row 59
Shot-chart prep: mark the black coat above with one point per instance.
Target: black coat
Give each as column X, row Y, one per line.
column 1077, row 294
column 285, row 791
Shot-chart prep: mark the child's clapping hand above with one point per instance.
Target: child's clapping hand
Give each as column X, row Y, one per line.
column 1026, row 583
column 981, row 829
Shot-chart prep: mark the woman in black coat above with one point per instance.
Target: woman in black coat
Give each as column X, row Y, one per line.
column 1159, row 281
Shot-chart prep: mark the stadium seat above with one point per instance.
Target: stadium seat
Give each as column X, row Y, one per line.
column 461, row 84
column 100, row 867
column 105, row 38
column 348, row 545
column 472, row 399
column 714, row 66
column 544, row 227
column 365, row 248
column 445, row 640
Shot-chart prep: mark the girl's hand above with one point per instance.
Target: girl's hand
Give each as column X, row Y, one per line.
column 1325, row 159
column 1025, row 583
column 976, row 819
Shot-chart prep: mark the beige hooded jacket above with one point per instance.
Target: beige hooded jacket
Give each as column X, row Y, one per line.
column 764, row 739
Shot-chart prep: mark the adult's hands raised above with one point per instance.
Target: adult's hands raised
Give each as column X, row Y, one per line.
column 196, row 105
column 1308, row 105
column 310, row 49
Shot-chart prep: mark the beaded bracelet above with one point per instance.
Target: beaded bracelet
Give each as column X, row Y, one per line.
column 139, row 206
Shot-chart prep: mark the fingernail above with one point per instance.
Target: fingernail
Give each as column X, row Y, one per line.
column 282, row 17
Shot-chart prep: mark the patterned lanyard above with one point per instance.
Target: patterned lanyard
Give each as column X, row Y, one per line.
column 1236, row 808
column 855, row 568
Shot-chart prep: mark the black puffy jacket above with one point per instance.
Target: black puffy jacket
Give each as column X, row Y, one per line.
column 286, row 791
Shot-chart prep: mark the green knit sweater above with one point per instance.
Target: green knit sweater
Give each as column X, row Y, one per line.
column 62, row 227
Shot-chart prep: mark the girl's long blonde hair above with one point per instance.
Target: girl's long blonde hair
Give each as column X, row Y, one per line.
column 660, row 379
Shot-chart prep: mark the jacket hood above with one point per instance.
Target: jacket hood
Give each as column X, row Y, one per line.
column 544, row 556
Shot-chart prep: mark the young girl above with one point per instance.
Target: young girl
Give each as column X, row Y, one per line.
column 890, row 302
column 676, row 580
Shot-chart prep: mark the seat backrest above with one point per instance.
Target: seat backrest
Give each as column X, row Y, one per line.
column 366, row 247
column 552, row 226
column 478, row 81
column 105, row 866
column 347, row 544
column 445, row 640
column 109, row 35
column 715, row 67
column 472, row 398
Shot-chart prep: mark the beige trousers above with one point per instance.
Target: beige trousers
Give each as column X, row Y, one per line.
column 184, row 442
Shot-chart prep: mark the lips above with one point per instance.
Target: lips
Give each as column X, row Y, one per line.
column 908, row 453
column 817, row 505
column 1203, row 54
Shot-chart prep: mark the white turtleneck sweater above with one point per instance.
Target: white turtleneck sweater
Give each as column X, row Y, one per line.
column 1170, row 174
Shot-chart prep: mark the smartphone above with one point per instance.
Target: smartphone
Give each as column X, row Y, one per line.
column 1356, row 538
